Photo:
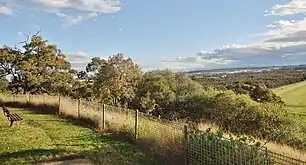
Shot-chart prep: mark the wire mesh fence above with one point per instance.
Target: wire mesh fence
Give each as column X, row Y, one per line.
column 90, row 112
column 69, row 107
column 276, row 158
column 169, row 142
column 207, row 148
column 119, row 120
column 164, row 139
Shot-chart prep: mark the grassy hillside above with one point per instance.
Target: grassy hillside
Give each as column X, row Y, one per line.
column 294, row 96
column 42, row 137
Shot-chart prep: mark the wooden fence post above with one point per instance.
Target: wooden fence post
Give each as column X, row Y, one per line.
column 186, row 141
column 14, row 98
column 136, row 124
column 29, row 98
column 44, row 99
column 79, row 103
column 103, row 117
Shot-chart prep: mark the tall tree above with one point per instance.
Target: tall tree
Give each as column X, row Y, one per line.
column 154, row 91
column 35, row 67
column 116, row 80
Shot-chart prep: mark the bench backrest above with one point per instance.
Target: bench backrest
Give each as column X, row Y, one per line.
column 6, row 112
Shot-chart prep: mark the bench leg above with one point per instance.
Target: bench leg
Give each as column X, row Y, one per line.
column 11, row 124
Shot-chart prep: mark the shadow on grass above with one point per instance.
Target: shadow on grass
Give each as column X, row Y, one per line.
column 104, row 151
column 33, row 155
column 80, row 121
column 109, row 133
column 114, row 138
column 36, row 108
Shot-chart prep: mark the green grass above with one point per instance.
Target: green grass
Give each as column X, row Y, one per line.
column 294, row 96
column 41, row 137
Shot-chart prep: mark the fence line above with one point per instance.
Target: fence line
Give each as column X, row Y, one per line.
column 170, row 142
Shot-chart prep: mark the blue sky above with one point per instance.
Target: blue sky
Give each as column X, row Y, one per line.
column 165, row 34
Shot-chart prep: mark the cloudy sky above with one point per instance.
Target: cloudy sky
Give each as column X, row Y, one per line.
column 177, row 34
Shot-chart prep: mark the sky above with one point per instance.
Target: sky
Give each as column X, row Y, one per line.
column 160, row 34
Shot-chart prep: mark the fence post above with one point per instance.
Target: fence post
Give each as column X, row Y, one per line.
column 103, row 117
column 136, row 124
column 186, row 141
column 14, row 98
column 79, row 102
column 29, row 99
column 59, row 105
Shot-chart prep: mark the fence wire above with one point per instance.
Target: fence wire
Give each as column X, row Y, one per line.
column 276, row 158
column 91, row 112
column 68, row 107
column 162, row 138
column 119, row 119
column 204, row 148
column 166, row 139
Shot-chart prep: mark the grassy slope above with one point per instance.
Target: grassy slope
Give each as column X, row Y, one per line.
column 44, row 136
column 294, row 96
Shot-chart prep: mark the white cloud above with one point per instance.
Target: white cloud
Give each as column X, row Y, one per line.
column 5, row 10
column 70, row 12
column 181, row 63
column 287, row 31
column 293, row 7
column 283, row 43
column 236, row 55
column 78, row 60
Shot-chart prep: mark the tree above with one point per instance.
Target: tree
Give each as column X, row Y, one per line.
column 154, row 91
column 262, row 94
column 95, row 65
column 161, row 92
column 3, row 82
column 116, row 80
column 186, row 86
column 82, row 75
column 36, row 67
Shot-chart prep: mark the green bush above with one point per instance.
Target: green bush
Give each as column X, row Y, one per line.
column 241, row 115
column 212, row 148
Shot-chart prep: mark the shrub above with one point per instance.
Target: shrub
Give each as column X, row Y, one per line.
column 212, row 148
column 240, row 114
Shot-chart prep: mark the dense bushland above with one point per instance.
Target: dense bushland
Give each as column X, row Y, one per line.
column 237, row 81
column 251, row 108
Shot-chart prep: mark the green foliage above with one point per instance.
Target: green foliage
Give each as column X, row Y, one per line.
column 36, row 67
column 3, row 82
column 153, row 90
column 213, row 148
column 262, row 94
column 116, row 80
column 158, row 90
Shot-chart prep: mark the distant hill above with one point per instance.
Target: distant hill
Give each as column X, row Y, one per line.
column 244, row 69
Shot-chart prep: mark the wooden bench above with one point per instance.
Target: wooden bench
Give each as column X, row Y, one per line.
column 11, row 117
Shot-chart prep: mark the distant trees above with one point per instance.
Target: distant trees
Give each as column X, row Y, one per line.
column 270, row 79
